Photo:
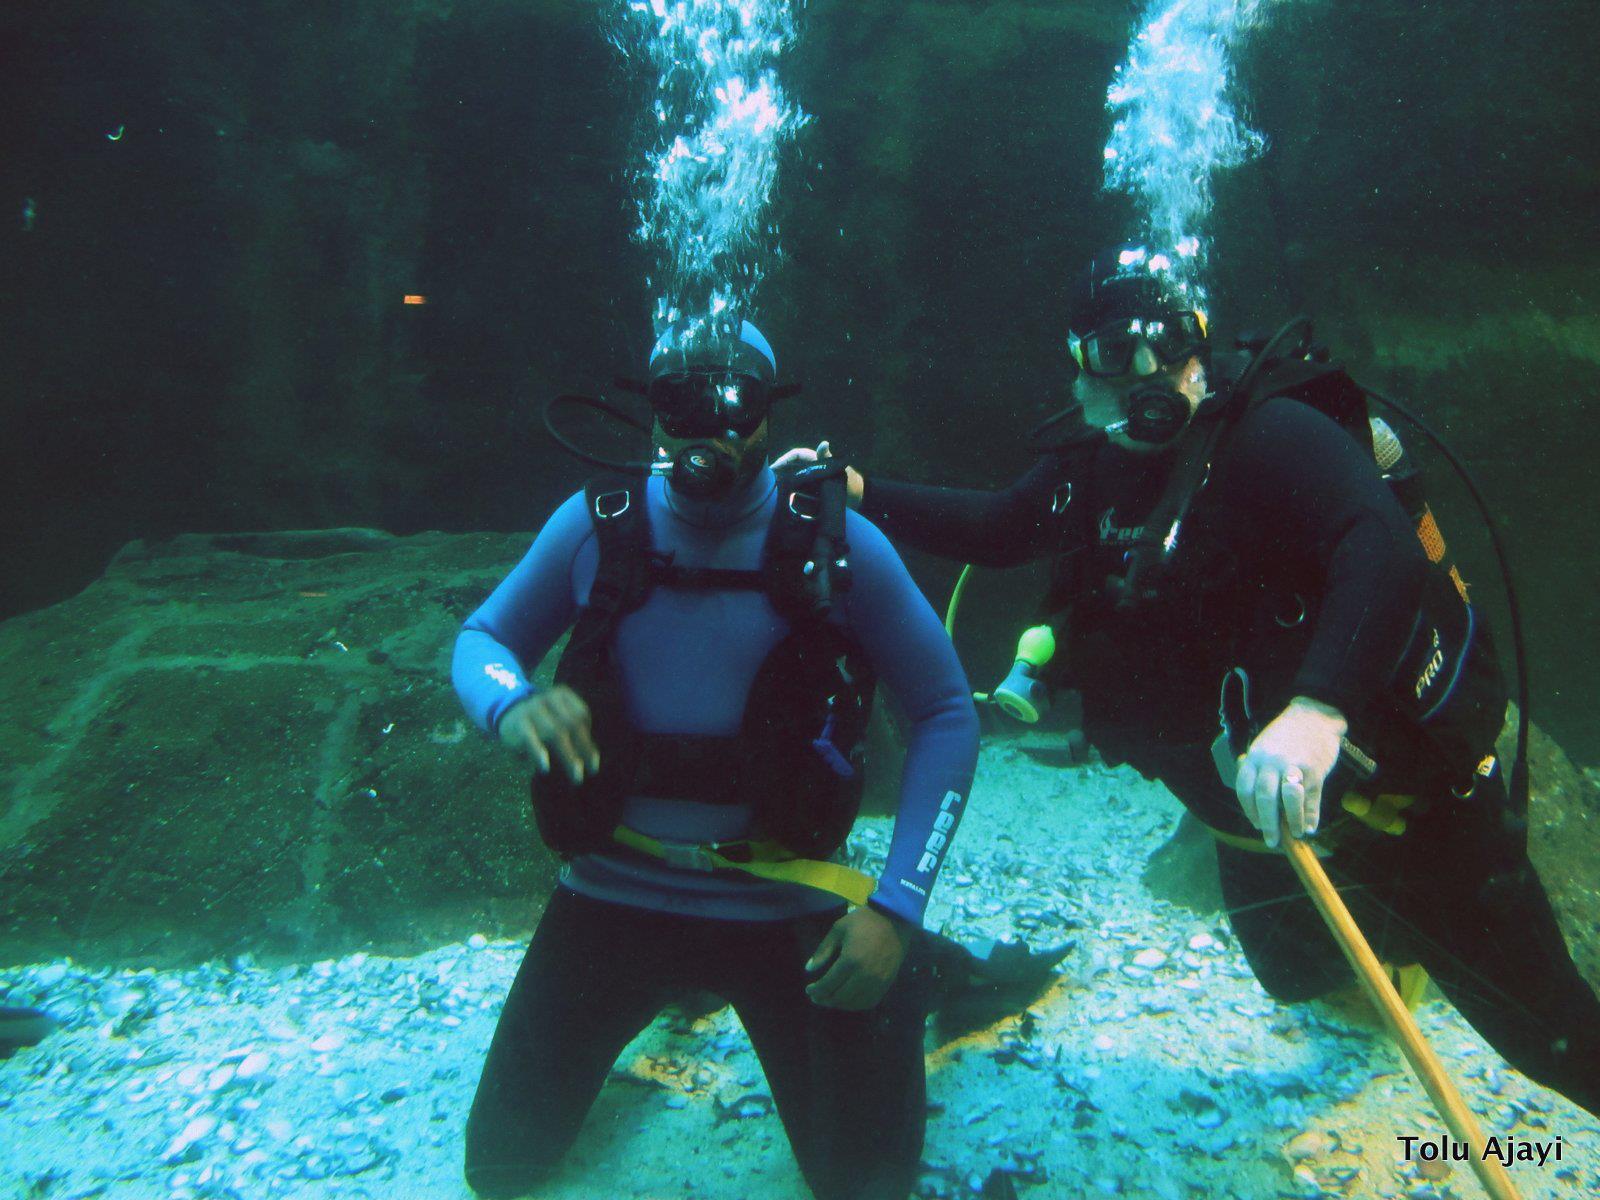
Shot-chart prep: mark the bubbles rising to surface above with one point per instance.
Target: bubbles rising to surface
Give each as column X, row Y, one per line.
column 1175, row 123
column 715, row 130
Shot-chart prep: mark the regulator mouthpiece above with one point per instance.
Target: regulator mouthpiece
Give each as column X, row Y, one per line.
column 1157, row 413
column 698, row 471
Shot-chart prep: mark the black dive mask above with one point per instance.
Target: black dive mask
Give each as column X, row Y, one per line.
column 709, row 403
column 1157, row 413
column 706, row 422
column 716, row 411
column 1108, row 351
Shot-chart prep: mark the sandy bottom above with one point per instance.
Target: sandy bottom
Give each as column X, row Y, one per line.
column 1155, row 1067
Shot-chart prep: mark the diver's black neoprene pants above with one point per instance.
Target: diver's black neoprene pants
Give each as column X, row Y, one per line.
column 848, row 1086
column 1454, row 893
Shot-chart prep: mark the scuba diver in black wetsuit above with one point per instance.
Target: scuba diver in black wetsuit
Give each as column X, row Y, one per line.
column 1229, row 530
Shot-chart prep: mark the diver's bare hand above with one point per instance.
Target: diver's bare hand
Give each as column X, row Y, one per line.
column 854, row 483
column 862, row 953
column 553, row 723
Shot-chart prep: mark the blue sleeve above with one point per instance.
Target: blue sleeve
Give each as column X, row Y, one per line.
column 914, row 659
column 504, row 640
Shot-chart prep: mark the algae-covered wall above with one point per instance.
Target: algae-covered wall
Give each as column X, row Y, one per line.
column 209, row 216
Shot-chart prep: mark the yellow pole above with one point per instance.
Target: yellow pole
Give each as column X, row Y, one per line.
column 1375, row 980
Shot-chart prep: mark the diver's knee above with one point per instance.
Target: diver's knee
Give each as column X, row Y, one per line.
column 506, row 1180
column 1294, row 986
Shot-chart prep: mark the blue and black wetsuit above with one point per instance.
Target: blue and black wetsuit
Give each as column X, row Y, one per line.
column 1293, row 506
column 623, row 935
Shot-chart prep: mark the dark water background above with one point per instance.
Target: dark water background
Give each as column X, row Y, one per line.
column 203, row 329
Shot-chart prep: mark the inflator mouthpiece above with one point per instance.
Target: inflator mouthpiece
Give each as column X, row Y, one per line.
column 1022, row 695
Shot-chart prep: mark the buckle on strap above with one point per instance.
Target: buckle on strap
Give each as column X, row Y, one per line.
column 609, row 505
column 804, row 505
column 689, row 856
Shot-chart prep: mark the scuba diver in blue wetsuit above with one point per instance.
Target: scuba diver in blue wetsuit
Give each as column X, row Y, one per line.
column 698, row 763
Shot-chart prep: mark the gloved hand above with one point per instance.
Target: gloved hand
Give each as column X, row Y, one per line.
column 554, row 721
column 1282, row 773
column 862, row 954
column 854, row 484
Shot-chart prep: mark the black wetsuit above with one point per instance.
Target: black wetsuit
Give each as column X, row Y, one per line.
column 848, row 1086
column 1295, row 533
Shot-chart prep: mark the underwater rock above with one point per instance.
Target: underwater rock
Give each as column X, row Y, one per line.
column 1312, row 1143
column 230, row 682
column 1564, row 842
column 182, row 1148
column 1306, row 1180
column 252, row 1065
column 753, row 1104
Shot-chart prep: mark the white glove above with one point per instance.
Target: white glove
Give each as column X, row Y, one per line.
column 1282, row 773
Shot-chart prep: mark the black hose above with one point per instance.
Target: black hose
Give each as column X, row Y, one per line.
column 611, row 410
column 1264, row 356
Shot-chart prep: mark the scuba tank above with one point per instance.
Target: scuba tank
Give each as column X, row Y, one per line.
column 1405, row 480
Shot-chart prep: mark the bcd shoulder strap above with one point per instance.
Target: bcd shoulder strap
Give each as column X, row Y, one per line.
column 806, row 556
column 578, row 818
column 1071, row 512
column 617, row 511
column 1321, row 383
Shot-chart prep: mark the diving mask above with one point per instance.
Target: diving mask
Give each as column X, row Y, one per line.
column 709, row 403
column 1108, row 351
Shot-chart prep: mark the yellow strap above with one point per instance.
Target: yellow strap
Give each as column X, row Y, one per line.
column 771, row 861
column 836, row 878
column 1239, row 842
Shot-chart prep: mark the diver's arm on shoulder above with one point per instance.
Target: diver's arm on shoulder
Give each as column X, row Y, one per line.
column 1006, row 528
column 512, row 630
column 907, row 646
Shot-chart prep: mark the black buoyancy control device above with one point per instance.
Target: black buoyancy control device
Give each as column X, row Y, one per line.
column 1448, row 687
column 798, row 758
